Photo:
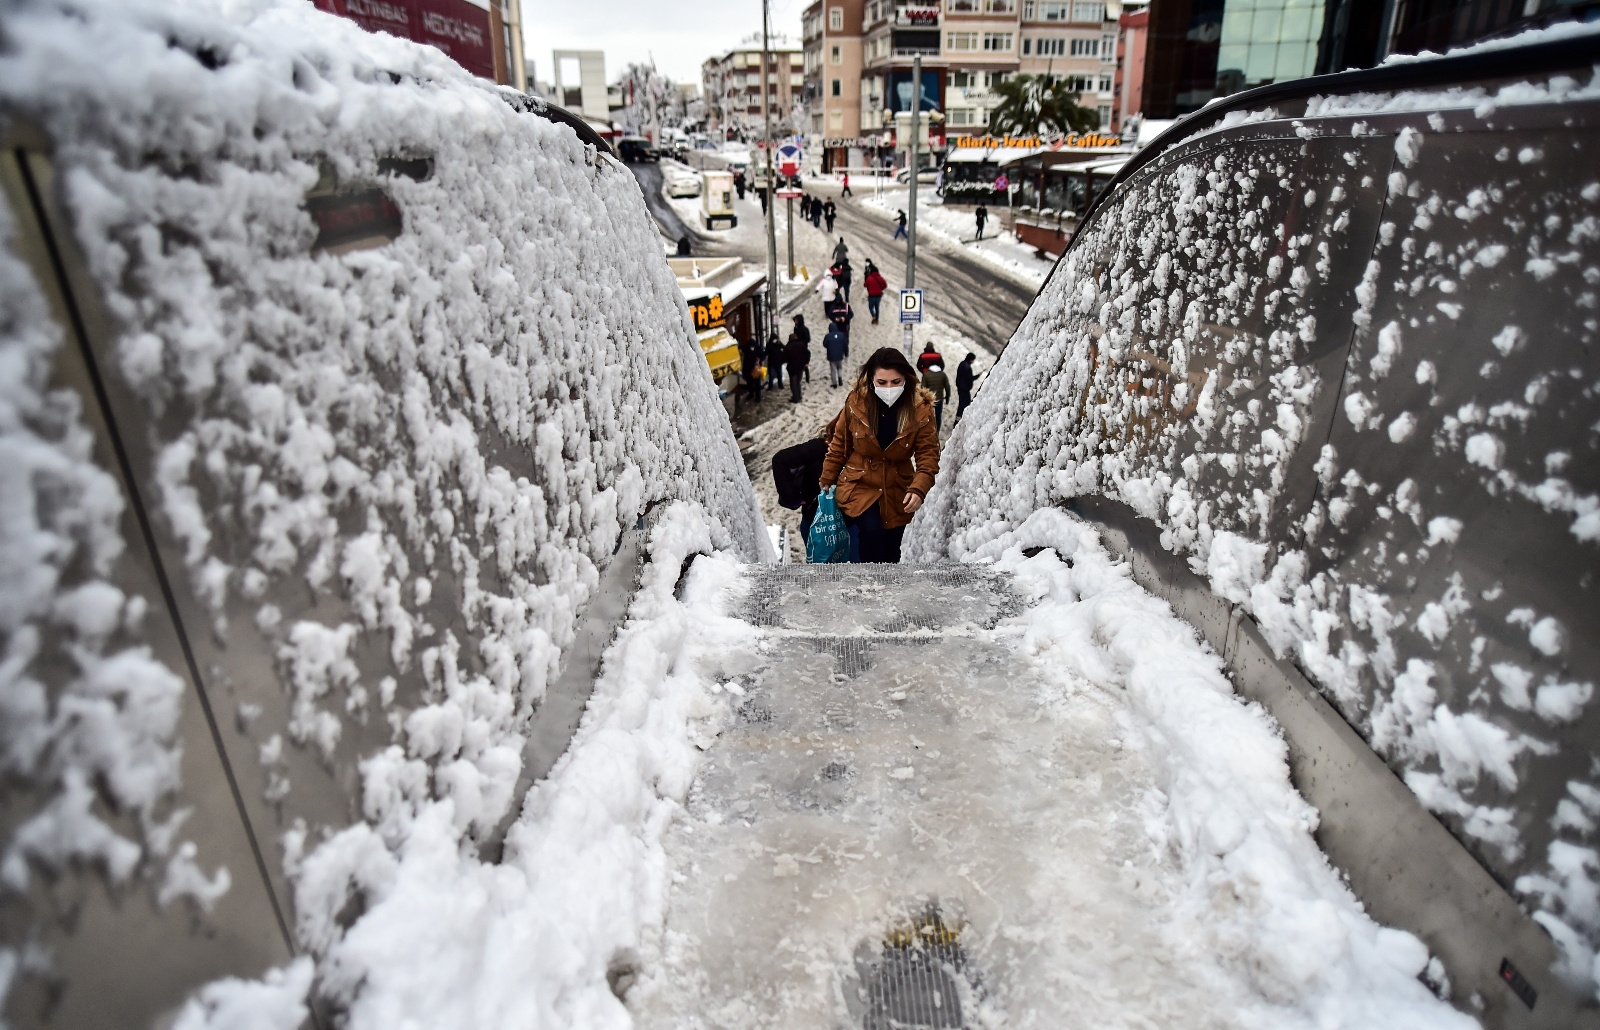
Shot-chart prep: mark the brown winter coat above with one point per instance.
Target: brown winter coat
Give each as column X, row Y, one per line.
column 865, row 473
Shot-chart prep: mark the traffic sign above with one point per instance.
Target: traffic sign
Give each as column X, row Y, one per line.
column 910, row 307
column 1002, row 184
column 788, row 160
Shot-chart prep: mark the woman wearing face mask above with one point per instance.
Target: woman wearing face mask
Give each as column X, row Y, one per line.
column 883, row 454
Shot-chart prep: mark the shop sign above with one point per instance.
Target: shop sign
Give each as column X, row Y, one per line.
column 863, row 144
column 708, row 312
column 458, row 27
column 1076, row 141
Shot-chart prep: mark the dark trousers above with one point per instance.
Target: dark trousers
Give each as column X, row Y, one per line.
column 795, row 372
column 774, row 377
column 808, row 511
column 872, row 305
column 965, row 399
column 938, row 415
column 830, row 226
column 869, row 541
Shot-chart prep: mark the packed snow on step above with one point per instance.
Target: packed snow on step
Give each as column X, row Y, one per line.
column 441, row 437
column 1110, row 828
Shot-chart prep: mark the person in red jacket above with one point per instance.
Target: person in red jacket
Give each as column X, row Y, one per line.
column 875, row 285
column 929, row 356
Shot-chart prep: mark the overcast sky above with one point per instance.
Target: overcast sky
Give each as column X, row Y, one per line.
column 679, row 34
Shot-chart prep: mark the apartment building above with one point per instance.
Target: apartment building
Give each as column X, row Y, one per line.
column 1075, row 40
column 831, row 37
column 731, row 86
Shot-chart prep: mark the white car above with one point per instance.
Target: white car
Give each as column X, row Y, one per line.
column 683, row 186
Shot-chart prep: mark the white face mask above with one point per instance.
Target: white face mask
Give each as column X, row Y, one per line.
column 888, row 394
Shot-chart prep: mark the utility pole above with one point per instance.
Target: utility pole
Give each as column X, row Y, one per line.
column 772, row 198
column 911, row 165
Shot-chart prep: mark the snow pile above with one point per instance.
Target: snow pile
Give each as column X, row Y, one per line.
column 446, row 941
column 1188, row 358
column 444, row 435
column 1245, row 885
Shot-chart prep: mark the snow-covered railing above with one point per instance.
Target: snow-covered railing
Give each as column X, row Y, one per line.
column 1338, row 361
column 332, row 383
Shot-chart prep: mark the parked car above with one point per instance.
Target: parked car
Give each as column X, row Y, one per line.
column 926, row 175
column 634, row 149
column 683, row 184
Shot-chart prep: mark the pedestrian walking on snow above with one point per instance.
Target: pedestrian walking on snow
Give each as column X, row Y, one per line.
column 797, row 356
column 964, row 380
column 842, row 275
column 938, row 384
column 828, row 287
column 883, row 455
column 816, row 213
column 739, row 184
column 875, row 285
column 774, row 364
column 751, row 354
column 830, row 211
column 795, row 471
column 837, row 347
column 900, row 230
column 846, row 191
column 929, row 356
column 805, row 207
column 980, row 216
column 841, row 252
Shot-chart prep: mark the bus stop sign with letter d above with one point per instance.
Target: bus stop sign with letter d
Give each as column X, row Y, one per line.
column 910, row 307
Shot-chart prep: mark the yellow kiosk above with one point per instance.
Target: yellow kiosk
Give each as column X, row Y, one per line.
column 727, row 304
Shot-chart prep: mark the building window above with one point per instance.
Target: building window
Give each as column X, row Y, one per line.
column 838, row 58
column 963, row 116
column 1104, row 110
column 836, row 119
column 1088, row 10
column 1108, row 48
column 1085, row 47
column 1027, row 10
column 796, row 81
column 1047, row 47
column 997, row 41
column 838, row 88
column 961, row 41
column 835, row 19
column 1055, row 11
column 1105, row 84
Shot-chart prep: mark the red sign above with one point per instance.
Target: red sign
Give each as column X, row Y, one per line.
column 458, row 27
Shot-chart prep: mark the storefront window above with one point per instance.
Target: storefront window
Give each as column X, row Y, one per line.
column 1267, row 41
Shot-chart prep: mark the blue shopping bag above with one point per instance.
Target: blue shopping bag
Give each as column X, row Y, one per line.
column 830, row 538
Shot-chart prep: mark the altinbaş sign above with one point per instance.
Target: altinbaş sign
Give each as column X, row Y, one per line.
column 708, row 312
column 1076, row 141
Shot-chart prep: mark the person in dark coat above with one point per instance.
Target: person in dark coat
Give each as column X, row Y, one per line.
column 830, row 211
column 816, row 214
column 797, row 356
column 795, row 471
column 774, row 364
column 980, row 216
column 841, row 252
column 804, row 334
column 964, row 380
column 805, row 207
column 751, row 354
column 683, row 246
column 929, row 356
column 841, row 276
column 900, row 225
column 738, row 183
column 837, row 346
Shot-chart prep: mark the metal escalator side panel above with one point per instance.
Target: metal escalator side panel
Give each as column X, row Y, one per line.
column 110, row 950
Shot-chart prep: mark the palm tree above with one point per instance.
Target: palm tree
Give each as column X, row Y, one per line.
column 1033, row 105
